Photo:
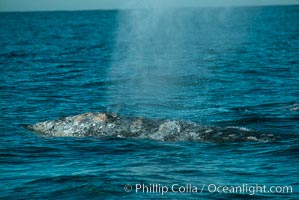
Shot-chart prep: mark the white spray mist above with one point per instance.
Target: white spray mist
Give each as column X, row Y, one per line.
column 154, row 53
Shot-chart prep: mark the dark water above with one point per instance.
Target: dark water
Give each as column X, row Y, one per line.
column 239, row 67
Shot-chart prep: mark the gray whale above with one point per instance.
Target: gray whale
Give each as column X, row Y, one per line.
column 108, row 125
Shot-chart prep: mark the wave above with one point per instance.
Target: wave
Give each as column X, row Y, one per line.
column 109, row 125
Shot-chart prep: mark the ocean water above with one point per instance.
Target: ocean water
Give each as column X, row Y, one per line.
column 217, row 67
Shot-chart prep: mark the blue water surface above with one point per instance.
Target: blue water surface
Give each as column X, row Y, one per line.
column 219, row 67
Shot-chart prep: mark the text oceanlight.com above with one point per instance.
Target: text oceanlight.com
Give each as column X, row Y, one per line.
column 208, row 188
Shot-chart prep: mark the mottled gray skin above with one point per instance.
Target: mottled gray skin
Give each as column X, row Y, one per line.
column 103, row 124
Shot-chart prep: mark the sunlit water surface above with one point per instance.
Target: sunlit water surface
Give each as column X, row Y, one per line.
column 233, row 67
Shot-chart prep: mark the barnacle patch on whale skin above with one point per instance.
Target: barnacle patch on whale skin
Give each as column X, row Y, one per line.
column 100, row 117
